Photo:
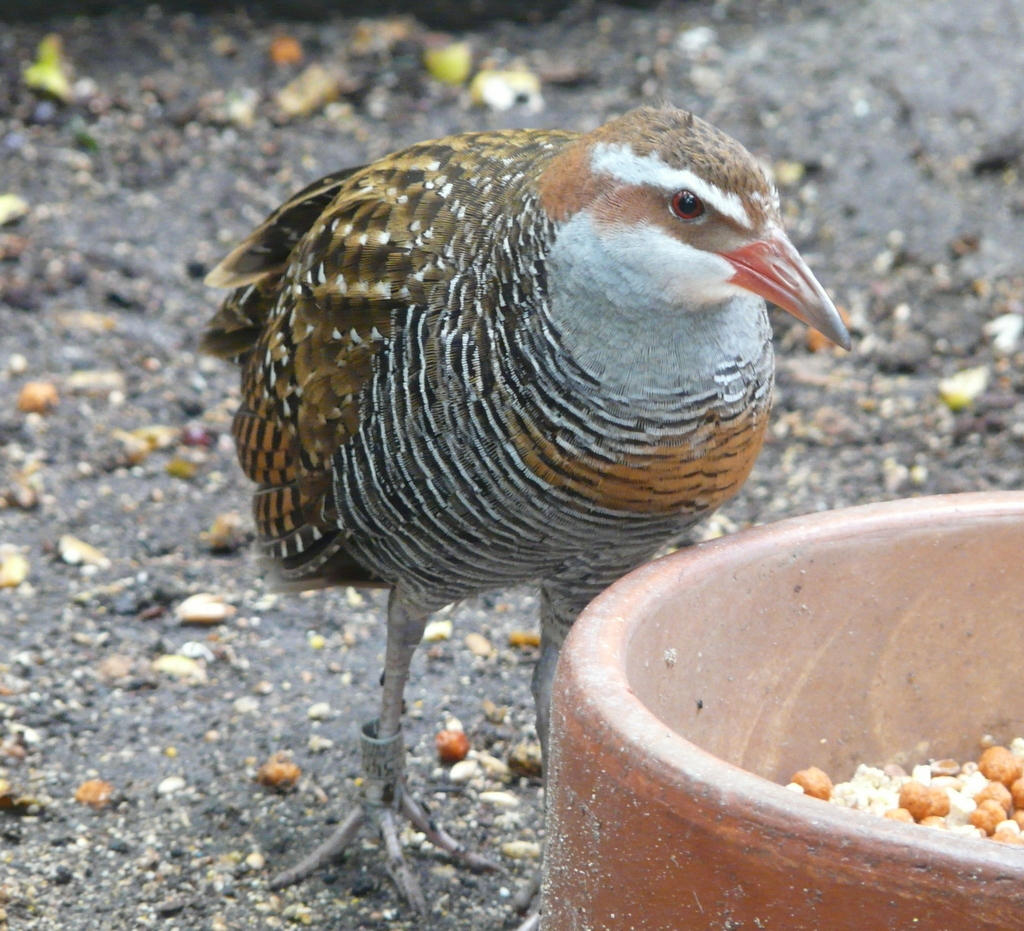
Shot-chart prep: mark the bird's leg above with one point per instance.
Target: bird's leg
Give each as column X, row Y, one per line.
column 543, row 677
column 383, row 760
column 555, row 623
column 552, row 636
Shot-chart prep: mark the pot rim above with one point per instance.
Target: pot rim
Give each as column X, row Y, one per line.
column 596, row 658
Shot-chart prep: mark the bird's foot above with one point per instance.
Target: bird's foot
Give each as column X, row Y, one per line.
column 385, row 798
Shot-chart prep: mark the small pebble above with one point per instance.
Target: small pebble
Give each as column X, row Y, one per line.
column 226, row 533
column 496, row 714
column 524, row 759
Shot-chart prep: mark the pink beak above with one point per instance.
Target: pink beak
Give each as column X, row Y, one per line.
column 774, row 270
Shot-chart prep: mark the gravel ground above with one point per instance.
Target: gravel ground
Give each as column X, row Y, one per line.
column 896, row 132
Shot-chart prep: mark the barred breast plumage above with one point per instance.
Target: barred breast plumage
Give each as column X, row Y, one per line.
column 525, row 356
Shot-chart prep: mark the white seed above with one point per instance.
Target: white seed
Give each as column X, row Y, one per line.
column 170, row 785
column 77, row 552
column 204, row 608
column 499, row 799
column 521, row 850
column 463, row 771
column 319, row 711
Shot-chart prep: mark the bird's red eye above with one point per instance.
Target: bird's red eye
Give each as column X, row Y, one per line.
column 686, row 205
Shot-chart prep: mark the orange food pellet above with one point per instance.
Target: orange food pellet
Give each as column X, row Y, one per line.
column 1017, row 793
column 452, row 746
column 1008, row 836
column 1000, row 765
column 987, row 815
column 37, row 397
column 997, row 792
column 899, row 814
column 285, row 50
column 814, row 782
column 94, row 792
column 1018, row 816
column 923, row 801
column 934, row 821
column 279, row 772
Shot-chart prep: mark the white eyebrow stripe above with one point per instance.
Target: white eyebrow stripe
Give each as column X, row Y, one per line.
column 623, row 164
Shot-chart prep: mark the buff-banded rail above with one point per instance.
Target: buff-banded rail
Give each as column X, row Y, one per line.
column 499, row 358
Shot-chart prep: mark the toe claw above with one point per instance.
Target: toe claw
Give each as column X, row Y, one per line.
column 398, row 869
column 441, row 839
column 323, row 854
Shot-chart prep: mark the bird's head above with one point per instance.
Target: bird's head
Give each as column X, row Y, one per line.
column 688, row 211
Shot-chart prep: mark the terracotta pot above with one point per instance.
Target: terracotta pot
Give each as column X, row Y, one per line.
column 691, row 690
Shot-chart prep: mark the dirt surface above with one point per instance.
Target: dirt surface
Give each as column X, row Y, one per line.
column 896, row 132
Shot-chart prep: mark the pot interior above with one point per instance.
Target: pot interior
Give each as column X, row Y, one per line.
column 877, row 640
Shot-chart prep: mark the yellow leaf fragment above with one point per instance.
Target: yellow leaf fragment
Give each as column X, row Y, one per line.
column 12, row 207
column 181, row 667
column 449, row 64
column 13, row 570
column 48, row 73
column 960, row 390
